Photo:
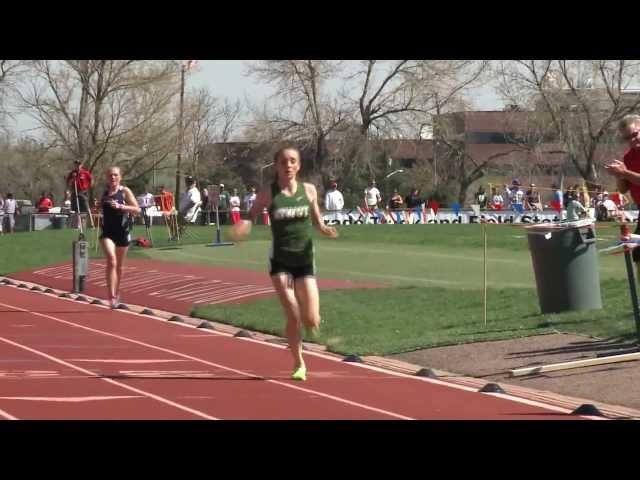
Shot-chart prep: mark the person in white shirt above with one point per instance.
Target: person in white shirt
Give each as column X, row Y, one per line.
column 190, row 201
column 334, row 201
column 234, row 203
column 249, row 198
column 372, row 198
column 10, row 209
column 146, row 201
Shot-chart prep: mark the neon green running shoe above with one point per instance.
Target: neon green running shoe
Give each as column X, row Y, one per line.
column 300, row 373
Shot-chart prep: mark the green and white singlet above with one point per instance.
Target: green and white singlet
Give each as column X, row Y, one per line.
column 291, row 229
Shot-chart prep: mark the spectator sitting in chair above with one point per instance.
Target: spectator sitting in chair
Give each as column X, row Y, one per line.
column 497, row 201
column 190, row 201
column 44, row 204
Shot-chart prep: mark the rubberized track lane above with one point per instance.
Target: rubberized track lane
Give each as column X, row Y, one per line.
column 210, row 373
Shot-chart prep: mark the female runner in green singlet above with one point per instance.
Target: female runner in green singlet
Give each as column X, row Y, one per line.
column 293, row 206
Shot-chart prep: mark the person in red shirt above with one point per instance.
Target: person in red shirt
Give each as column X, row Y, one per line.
column 44, row 204
column 83, row 180
column 627, row 172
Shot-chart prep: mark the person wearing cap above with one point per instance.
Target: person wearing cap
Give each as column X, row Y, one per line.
column 334, row 201
column 514, row 196
column 82, row 179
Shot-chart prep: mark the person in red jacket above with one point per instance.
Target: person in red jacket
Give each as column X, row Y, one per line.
column 83, row 180
column 44, row 204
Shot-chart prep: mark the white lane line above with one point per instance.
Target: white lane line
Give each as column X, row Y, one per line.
column 216, row 293
column 72, row 399
column 513, row 398
column 7, row 416
column 108, row 360
column 206, row 362
column 109, row 380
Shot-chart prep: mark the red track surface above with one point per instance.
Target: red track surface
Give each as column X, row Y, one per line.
column 173, row 287
column 62, row 359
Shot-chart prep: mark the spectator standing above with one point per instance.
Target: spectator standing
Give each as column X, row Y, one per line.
column 372, row 198
column 249, row 199
column 66, row 203
column 334, row 201
column 146, row 201
column 83, row 180
column 10, row 213
column 395, row 205
column 415, row 204
column 223, row 205
column 234, row 204
column 190, row 201
column 204, row 195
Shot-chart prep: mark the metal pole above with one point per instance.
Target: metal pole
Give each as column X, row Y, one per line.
column 632, row 289
column 484, row 235
column 180, row 132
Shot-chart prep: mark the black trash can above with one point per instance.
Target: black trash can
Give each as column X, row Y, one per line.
column 565, row 262
column 58, row 221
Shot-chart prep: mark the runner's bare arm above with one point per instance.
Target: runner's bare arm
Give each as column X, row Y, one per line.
column 131, row 204
column 242, row 229
column 316, row 217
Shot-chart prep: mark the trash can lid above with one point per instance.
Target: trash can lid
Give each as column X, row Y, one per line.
column 558, row 226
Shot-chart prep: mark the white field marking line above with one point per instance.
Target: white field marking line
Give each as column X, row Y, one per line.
column 376, row 369
column 7, row 416
column 72, row 399
column 217, row 293
column 372, row 367
column 238, row 297
column 196, row 359
column 136, row 279
column 47, row 272
column 153, row 282
column 108, row 380
column 193, row 289
column 166, row 292
column 228, row 297
column 152, row 286
column 151, row 275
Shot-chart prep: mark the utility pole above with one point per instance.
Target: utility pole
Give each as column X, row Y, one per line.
column 180, row 132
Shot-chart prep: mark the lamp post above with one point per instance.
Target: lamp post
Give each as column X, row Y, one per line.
column 262, row 172
column 180, row 130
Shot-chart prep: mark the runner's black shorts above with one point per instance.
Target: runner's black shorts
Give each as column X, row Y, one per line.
column 120, row 237
column 307, row 270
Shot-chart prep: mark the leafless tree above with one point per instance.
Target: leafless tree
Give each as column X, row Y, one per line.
column 306, row 112
column 105, row 111
column 208, row 120
column 10, row 75
column 582, row 102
